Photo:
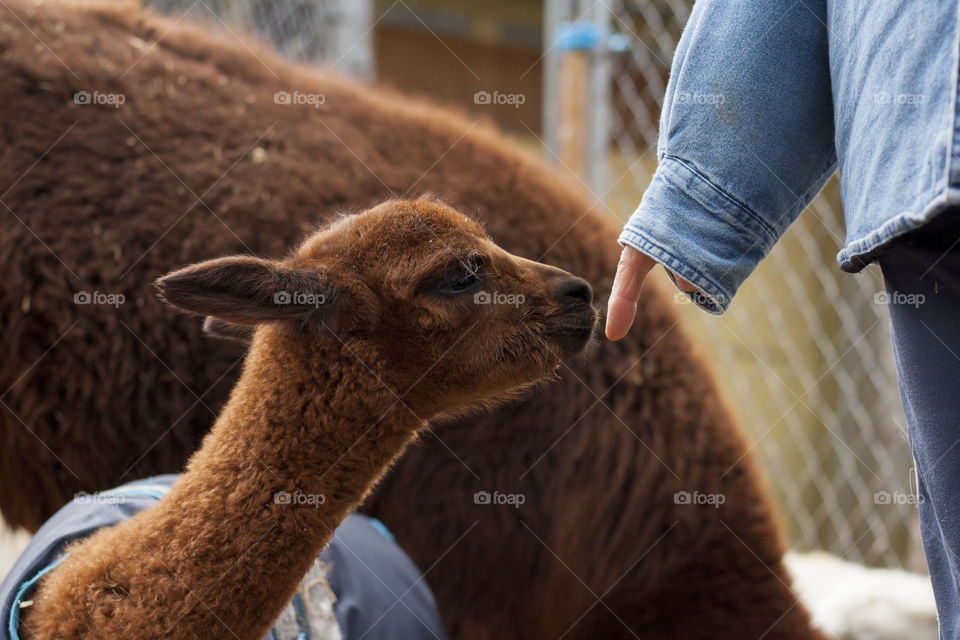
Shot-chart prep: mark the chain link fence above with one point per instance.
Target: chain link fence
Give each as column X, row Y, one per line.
column 804, row 352
column 331, row 32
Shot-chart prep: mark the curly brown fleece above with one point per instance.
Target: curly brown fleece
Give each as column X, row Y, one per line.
column 324, row 405
column 127, row 392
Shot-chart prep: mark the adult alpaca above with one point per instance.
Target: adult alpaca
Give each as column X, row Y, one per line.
column 600, row 542
column 369, row 343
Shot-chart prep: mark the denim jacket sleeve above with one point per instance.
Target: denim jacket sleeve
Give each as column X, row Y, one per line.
column 746, row 141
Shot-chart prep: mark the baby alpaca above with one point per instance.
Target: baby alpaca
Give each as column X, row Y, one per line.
column 366, row 332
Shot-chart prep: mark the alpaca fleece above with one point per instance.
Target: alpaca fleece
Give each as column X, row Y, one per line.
column 323, row 406
column 128, row 392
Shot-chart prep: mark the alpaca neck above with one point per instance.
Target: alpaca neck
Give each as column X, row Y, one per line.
column 301, row 441
column 296, row 449
column 321, row 424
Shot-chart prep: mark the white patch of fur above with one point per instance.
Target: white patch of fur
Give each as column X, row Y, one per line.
column 853, row 602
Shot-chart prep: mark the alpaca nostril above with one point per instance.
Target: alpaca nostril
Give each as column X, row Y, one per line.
column 576, row 288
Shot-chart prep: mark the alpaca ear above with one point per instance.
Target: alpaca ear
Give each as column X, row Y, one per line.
column 218, row 328
column 245, row 290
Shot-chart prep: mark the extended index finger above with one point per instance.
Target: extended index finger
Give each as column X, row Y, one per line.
column 622, row 307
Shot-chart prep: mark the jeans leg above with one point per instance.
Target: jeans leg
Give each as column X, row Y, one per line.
column 922, row 276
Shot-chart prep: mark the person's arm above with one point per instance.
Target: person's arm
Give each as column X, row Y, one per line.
column 746, row 141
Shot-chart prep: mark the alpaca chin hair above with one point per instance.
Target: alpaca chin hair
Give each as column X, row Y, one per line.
column 503, row 398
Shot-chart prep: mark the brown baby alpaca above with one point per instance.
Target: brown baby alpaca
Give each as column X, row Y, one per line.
column 366, row 332
column 98, row 396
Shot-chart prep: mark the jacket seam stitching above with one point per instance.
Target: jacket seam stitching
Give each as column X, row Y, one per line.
column 766, row 226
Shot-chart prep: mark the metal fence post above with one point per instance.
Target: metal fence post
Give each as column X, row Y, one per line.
column 353, row 39
column 554, row 12
column 598, row 113
column 592, row 122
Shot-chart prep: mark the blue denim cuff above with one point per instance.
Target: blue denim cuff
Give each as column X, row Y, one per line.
column 698, row 232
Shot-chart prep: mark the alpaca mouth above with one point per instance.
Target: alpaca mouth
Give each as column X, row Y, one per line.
column 573, row 331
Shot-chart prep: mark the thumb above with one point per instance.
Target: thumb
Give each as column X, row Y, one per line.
column 622, row 307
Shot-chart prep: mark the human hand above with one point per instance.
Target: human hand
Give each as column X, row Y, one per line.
column 622, row 307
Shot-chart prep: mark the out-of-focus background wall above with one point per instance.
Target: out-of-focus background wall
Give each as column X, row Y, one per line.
column 803, row 353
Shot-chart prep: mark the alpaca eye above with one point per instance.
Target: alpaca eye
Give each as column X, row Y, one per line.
column 462, row 278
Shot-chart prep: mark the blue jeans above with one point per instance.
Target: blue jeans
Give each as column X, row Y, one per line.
column 922, row 275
